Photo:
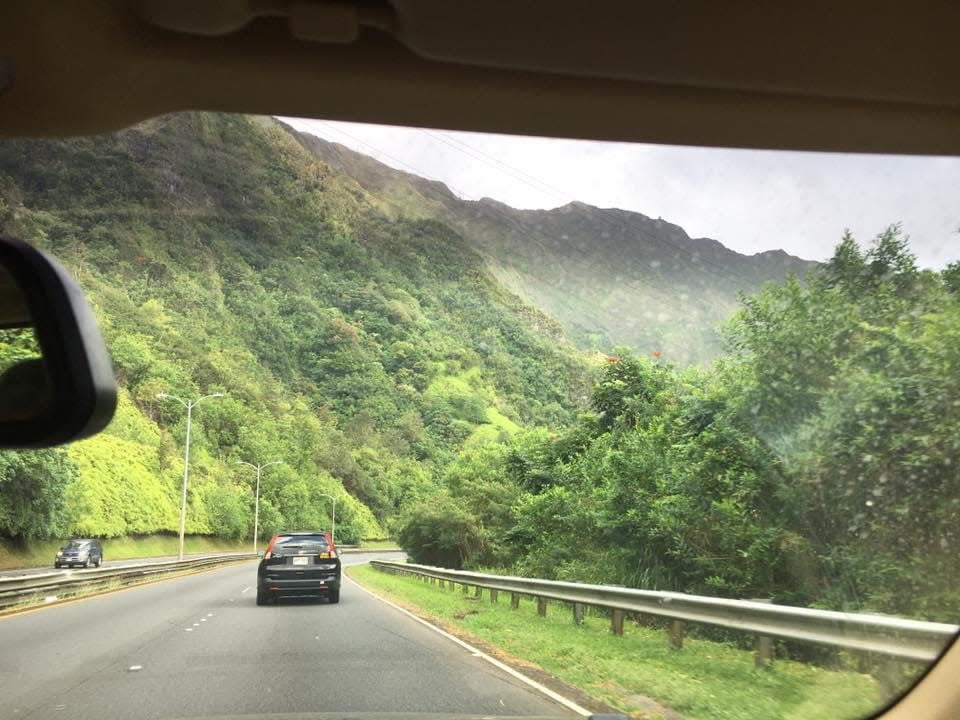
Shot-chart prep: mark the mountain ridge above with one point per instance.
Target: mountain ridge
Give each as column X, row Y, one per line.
column 611, row 277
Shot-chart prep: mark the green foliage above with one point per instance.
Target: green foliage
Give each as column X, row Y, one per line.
column 221, row 255
column 118, row 490
column 439, row 532
column 229, row 512
column 814, row 464
column 32, row 485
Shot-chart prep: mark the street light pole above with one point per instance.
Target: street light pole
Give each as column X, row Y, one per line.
column 256, row 501
column 333, row 520
column 189, row 405
column 183, row 488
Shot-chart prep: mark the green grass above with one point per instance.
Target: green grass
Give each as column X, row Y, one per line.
column 41, row 552
column 705, row 679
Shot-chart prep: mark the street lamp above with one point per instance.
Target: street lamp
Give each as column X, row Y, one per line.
column 256, row 502
column 189, row 405
column 333, row 526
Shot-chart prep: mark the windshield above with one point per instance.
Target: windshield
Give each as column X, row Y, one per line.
column 670, row 432
column 314, row 542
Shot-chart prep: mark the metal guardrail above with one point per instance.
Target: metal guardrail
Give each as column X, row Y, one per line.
column 15, row 590
column 894, row 637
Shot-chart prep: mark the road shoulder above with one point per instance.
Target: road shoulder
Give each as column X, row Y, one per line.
column 571, row 697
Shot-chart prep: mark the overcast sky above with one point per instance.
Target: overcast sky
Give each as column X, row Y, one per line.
column 749, row 200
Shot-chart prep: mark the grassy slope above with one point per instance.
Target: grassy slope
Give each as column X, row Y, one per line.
column 705, row 680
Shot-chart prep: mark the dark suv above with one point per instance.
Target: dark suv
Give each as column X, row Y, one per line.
column 79, row 552
column 299, row 564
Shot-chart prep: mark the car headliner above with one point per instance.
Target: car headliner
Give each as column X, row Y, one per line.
column 818, row 75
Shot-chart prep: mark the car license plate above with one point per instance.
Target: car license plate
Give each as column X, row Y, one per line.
column 301, row 560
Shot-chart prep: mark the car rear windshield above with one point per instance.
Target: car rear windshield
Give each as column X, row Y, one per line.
column 317, row 543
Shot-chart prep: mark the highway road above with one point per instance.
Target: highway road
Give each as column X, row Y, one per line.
column 199, row 646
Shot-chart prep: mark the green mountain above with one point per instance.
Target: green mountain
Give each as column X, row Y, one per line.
column 610, row 277
column 363, row 347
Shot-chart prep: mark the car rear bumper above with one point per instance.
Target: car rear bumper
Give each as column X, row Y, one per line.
column 299, row 587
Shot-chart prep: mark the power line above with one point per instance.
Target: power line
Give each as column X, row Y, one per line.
column 416, row 171
column 546, row 188
column 512, row 221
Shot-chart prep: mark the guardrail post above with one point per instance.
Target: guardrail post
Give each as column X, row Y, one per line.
column 493, row 595
column 888, row 673
column 616, row 622
column 466, row 588
column 763, row 645
column 443, row 585
column 542, row 607
column 677, row 628
column 514, row 601
column 578, row 613
column 478, row 591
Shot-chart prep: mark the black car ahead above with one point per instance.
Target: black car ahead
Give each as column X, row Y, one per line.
column 79, row 552
column 299, row 564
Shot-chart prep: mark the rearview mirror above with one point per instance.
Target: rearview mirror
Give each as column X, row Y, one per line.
column 56, row 381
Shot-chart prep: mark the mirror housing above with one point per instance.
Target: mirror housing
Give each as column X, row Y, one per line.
column 68, row 390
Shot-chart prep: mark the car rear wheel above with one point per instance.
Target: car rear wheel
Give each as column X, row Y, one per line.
column 335, row 595
column 261, row 597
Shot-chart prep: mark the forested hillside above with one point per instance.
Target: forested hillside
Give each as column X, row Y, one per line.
column 814, row 464
column 610, row 277
column 222, row 256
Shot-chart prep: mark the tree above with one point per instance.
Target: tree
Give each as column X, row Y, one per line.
column 439, row 532
column 32, row 485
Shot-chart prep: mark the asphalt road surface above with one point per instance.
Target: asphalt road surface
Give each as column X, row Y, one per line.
column 199, row 646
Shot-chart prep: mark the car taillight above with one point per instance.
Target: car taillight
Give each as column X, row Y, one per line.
column 267, row 555
column 333, row 553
